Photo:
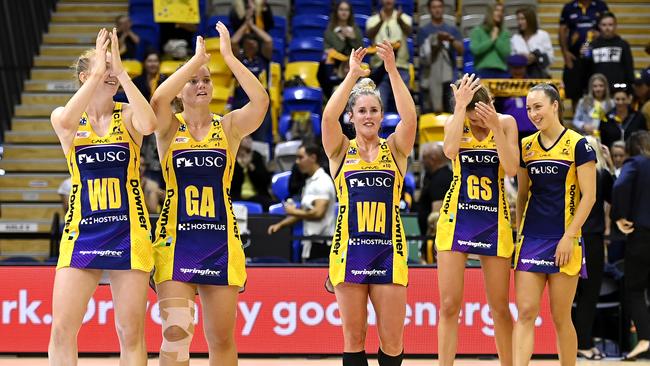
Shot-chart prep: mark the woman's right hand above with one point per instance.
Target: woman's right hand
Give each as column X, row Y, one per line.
column 464, row 92
column 101, row 45
column 200, row 53
column 356, row 58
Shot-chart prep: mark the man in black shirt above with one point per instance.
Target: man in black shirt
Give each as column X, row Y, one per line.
column 611, row 54
column 437, row 178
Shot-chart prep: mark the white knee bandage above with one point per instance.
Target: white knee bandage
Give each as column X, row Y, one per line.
column 177, row 316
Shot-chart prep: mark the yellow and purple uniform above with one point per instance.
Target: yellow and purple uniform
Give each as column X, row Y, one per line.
column 107, row 223
column 198, row 238
column 475, row 216
column 369, row 245
column 553, row 199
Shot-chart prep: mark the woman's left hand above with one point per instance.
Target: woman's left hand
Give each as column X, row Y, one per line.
column 224, row 40
column 387, row 55
column 116, row 61
column 488, row 115
column 564, row 250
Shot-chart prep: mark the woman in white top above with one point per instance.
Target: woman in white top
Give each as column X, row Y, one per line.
column 593, row 107
column 533, row 43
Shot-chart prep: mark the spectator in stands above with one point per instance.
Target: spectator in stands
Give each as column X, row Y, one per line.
column 154, row 195
column 641, row 89
column 250, row 178
column 516, row 105
column 257, row 11
column 611, row 54
column 254, row 48
column 593, row 106
column 631, row 199
column 437, row 178
column 577, row 26
column 532, row 42
column 490, row 44
column 593, row 232
column 393, row 25
column 64, row 193
column 618, row 156
column 127, row 38
column 438, row 43
column 176, row 39
column 148, row 81
column 316, row 204
column 342, row 35
column 644, row 103
column 621, row 121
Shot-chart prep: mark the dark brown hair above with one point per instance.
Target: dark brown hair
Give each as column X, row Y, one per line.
column 638, row 144
column 531, row 19
column 481, row 95
column 334, row 17
column 553, row 94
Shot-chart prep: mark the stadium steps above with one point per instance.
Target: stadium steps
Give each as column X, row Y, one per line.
column 633, row 17
column 33, row 165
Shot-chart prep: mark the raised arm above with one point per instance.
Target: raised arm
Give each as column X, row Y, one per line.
column 65, row 120
column 463, row 94
column 333, row 139
column 244, row 121
column 504, row 130
column 143, row 119
column 404, row 136
column 266, row 48
column 167, row 91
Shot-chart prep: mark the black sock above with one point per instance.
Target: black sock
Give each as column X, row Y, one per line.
column 386, row 360
column 355, row 359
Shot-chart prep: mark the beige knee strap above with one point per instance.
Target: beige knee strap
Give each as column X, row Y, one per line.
column 177, row 312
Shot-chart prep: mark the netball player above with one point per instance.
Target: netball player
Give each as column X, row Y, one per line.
column 475, row 217
column 107, row 224
column 369, row 253
column 557, row 188
column 198, row 244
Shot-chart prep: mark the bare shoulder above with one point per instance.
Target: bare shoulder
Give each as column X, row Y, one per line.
column 507, row 120
column 56, row 115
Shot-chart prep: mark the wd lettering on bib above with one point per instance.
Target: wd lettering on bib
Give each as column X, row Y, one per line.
column 104, row 193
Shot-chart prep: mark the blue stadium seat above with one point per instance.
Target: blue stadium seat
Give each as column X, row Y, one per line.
column 284, row 124
column 306, row 49
column 468, row 58
column 280, row 186
column 361, row 20
column 363, row 7
column 278, row 51
column 277, row 209
column 208, row 29
column 389, row 124
column 311, row 7
column 409, row 45
column 252, row 207
column 409, row 183
column 303, row 99
column 309, row 25
column 279, row 29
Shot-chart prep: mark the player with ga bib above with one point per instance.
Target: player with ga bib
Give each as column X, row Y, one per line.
column 107, row 224
column 198, row 246
column 475, row 217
